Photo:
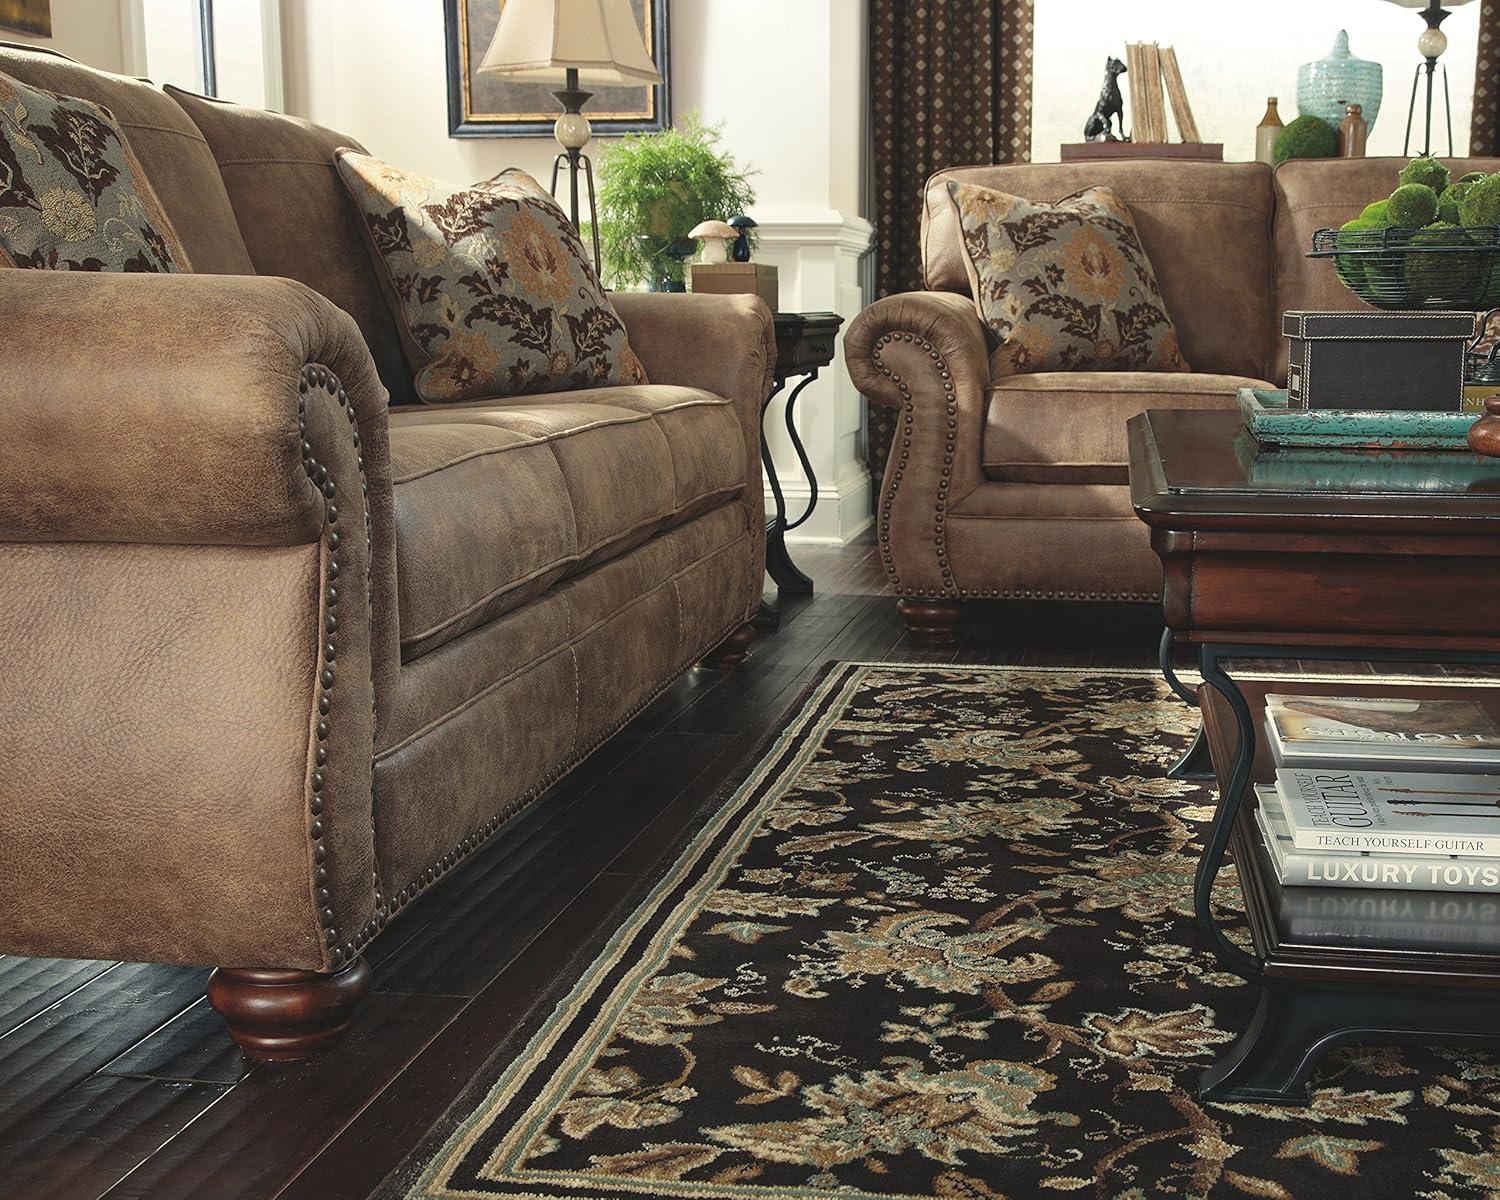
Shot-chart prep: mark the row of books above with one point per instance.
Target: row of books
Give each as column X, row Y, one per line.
column 1147, row 68
column 1387, row 793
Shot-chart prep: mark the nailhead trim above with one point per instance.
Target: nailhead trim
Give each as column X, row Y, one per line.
column 316, row 377
column 950, row 444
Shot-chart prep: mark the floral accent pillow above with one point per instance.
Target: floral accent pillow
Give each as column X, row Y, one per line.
column 1065, row 286
column 72, row 196
column 494, row 292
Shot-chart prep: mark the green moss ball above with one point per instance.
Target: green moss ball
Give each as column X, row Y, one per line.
column 1448, row 200
column 1349, row 268
column 1426, row 171
column 1481, row 203
column 1306, row 137
column 1437, row 276
column 1472, row 177
column 1412, row 205
column 1375, row 211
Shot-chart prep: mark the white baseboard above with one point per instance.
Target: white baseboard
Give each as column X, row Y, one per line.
column 842, row 513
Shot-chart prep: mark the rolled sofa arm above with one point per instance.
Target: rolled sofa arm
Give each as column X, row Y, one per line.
column 722, row 344
column 196, row 594
column 926, row 353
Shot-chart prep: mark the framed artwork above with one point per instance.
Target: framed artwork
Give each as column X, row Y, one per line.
column 483, row 106
column 27, row 16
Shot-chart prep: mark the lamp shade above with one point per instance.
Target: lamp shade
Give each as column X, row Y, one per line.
column 541, row 40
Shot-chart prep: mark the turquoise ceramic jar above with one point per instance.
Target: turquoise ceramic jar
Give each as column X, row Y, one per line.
column 1327, row 86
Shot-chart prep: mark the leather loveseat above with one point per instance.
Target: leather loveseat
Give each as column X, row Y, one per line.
column 1014, row 486
column 280, row 646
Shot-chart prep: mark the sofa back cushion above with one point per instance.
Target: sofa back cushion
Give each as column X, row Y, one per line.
column 1206, row 227
column 1323, row 193
column 171, row 152
column 296, row 218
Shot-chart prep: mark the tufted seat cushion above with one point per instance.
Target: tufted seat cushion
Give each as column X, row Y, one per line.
column 497, row 500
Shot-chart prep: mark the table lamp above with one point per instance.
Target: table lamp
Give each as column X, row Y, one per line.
column 1430, row 45
column 577, row 43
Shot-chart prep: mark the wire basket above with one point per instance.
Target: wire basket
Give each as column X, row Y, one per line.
column 1416, row 268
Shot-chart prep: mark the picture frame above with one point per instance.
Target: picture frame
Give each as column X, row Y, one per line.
column 27, row 16
column 485, row 108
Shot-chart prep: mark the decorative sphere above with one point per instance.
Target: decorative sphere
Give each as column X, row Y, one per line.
column 1431, row 43
column 572, row 131
column 1412, row 205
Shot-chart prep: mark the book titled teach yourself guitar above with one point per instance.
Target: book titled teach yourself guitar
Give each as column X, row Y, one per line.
column 1391, row 812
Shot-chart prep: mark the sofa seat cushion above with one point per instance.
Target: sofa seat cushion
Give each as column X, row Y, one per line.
column 498, row 500
column 1069, row 426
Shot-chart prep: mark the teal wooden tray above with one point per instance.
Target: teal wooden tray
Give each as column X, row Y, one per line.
column 1274, row 424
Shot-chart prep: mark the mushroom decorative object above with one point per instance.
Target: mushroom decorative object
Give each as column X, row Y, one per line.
column 720, row 231
column 741, row 251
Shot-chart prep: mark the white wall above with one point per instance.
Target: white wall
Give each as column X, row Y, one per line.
column 1234, row 55
column 88, row 30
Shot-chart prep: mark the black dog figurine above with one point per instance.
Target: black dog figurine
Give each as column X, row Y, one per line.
column 1110, row 105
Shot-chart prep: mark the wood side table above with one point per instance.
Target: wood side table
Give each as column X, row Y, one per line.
column 804, row 346
column 1372, row 557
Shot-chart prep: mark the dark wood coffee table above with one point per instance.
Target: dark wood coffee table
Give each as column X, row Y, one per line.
column 1388, row 558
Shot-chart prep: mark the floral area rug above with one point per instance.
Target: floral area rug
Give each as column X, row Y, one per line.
column 939, row 943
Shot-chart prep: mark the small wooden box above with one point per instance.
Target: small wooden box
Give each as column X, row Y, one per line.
column 1376, row 360
column 736, row 278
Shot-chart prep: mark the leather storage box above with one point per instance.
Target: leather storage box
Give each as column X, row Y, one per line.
column 1376, row 360
column 737, row 278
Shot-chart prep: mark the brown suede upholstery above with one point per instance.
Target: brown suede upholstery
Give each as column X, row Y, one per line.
column 1015, row 486
column 170, row 149
column 163, row 584
column 1205, row 226
column 1062, row 427
column 1323, row 194
column 624, row 464
column 274, row 657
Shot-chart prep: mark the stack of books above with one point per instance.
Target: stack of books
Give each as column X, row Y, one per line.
column 1388, row 795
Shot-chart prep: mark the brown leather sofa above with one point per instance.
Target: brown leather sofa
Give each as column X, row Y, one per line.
column 1015, row 486
column 275, row 656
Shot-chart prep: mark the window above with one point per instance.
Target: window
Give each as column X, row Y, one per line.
column 225, row 48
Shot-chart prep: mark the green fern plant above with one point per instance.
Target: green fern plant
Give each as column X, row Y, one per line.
column 653, row 188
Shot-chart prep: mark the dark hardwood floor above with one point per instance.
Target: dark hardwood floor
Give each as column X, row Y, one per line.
column 116, row 1079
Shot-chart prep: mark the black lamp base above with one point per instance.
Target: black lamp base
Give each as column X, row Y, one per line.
column 572, row 101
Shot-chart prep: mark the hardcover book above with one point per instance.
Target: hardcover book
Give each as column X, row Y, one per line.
column 1391, row 812
column 1354, row 869
column 1399, row 729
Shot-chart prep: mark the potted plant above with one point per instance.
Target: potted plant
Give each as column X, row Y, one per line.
column 653, row 188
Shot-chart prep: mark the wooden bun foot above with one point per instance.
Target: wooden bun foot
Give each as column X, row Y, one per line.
column 729, row 653
column 287, row 1016
column 930, row 622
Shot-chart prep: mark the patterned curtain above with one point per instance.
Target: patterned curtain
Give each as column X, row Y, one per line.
column 950, row 84
column 1484, row 130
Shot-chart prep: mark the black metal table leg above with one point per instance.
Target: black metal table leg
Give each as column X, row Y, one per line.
column 1225, row 814
column 1196, row 763
column 1295, row 1026
column 779, row 563
column 769, row 616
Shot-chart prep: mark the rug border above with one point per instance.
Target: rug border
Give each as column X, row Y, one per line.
column 398, row 1184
